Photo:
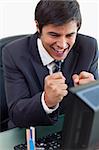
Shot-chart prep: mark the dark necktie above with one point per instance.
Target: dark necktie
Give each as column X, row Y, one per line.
column 57, row 66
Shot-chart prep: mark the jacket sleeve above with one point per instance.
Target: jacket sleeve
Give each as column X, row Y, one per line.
column 94, row 65
column 24, row 110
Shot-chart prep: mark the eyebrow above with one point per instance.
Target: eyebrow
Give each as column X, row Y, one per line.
column 58, row 34
column 53, row 33
column 70, row 33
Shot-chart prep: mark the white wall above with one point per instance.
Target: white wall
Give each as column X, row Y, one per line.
column 90, row 17
column 17, row 17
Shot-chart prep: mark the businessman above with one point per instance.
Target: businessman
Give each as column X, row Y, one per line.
column 35, row 94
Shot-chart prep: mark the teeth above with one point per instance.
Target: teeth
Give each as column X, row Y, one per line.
column 58, row 51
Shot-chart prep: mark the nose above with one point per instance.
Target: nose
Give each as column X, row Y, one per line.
column 62, row 43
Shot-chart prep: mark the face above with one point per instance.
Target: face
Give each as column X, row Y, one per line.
column 58, row 40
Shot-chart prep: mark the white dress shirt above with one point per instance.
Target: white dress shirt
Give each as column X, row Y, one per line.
column 47, row 60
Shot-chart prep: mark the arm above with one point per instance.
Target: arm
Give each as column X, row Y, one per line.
column 92, row 74
column 24, row 109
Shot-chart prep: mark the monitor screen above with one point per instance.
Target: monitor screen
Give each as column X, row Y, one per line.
column 81, row 122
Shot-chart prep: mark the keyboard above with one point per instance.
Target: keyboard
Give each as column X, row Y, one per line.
column 49, row 142
column 20, row 147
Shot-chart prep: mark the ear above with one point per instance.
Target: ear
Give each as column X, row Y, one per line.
column 37, row 26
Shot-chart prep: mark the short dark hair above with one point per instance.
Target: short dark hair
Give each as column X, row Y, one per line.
column 57, row 12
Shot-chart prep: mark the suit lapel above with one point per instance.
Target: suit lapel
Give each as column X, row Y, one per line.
column 41, row 71
column 69, row 64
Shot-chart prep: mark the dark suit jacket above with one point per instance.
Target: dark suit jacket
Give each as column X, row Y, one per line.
column 24, row 76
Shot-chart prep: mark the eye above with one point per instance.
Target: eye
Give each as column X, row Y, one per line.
column 70, row 35
column 52, row 34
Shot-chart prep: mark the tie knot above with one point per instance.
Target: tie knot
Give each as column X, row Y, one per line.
column 57, row 66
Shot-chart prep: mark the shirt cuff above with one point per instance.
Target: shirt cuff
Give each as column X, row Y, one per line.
column 47, row 110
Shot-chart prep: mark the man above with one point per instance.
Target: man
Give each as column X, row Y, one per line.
column 35, row 95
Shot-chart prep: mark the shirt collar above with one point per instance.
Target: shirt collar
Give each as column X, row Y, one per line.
column 45, row 57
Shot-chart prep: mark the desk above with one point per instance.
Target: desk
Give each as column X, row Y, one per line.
column 12, row 137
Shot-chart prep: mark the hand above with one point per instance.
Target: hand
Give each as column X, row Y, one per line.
column 83, row 78
column 55, row 89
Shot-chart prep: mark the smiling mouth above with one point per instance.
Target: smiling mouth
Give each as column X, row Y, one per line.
column 60, row 51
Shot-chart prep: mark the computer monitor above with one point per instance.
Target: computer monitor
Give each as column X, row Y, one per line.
column 81, row 123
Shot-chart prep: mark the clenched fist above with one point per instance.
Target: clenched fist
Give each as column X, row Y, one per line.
column 55, row 89
column 83, row 78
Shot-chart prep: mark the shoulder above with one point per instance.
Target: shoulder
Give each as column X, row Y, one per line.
column 19, row 49
column 19, row 44
column 85, row 39
column 85, row 42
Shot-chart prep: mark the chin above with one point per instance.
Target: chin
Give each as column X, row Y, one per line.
column 59, row 58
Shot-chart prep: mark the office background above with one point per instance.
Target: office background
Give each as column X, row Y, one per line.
column 17, row 17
